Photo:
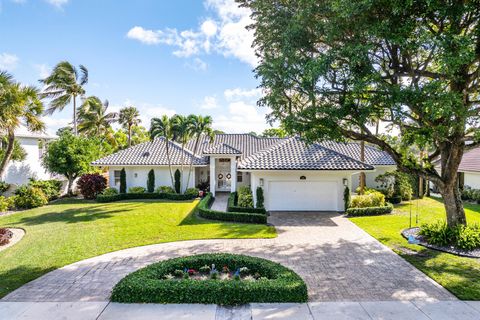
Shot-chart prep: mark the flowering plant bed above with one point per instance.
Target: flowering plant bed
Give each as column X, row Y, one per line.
column 226, row 279
column 5, row 236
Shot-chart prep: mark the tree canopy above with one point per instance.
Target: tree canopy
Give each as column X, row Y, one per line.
column 331, row 69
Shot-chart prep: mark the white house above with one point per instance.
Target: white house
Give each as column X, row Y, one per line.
column 469, row 169
column 19, row 172
column 294, row 175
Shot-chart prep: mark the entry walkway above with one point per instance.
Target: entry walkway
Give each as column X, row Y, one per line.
column 337, row 260
column 221, row 201
column 312, row 311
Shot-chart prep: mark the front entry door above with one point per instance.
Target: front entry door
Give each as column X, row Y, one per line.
column 224, row 178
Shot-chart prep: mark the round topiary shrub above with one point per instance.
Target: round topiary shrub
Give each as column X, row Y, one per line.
column 91, row 185
column 225, row 279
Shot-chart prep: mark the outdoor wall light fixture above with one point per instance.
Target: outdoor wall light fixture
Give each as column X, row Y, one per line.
column 261, row 182
column 135, row 175
column 345, row 181
column 303, row 178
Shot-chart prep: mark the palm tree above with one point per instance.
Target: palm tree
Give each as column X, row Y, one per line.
column 63, row 85
column 162, row 127
column 94, row 120
column 129, row 117
column 199, row 126
column 18, row 104
column 182, row 133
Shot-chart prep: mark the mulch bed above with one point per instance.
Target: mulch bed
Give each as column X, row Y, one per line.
column 449, row 249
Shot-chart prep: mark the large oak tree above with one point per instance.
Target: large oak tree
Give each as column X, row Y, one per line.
column 331, row 68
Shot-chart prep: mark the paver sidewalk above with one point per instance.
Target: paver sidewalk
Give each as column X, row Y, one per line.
column 385, row 310
column 337, row 260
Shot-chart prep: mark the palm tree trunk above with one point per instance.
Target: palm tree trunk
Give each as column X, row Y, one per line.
column 362, row 174
column 75, row 115
column 8, row 153
column 129, row 135
column 191, row 161
column 169, row 162
column 181, row 168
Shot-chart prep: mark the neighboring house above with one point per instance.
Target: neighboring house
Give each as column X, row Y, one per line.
column 19, row 172
column 293, row 174
column 469, row 169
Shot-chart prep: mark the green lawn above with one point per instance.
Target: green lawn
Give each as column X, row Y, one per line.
column 461, row 276
column 72, row 230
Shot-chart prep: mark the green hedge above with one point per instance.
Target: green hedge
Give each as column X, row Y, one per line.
column 205, row 212
column 370, row 211
column 132, row 196
column 232, row 207
column 148, row 285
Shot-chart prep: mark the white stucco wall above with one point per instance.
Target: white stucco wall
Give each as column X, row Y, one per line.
column 137, row 176
column 472, row 179
column 19, row 172
column 370, row 177
column 294, row 175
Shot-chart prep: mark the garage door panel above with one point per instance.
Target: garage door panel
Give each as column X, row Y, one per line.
column 303, row 195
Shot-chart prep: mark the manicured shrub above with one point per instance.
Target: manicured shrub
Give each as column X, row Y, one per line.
column 165, row 189
column 370, row 211
column 109, row 192
column 4, row 186
column 192, row 192
column 154, row 285
column 260, row 197
column 470, row 194
column 123, row 181
column 51, row 188
column 395, row 199
column 28, row 197
column 245, row 197
column 6, row 203
column 397, row 184
column 136, row 190
column 233, row 207
column 151, row 181
column 5, row 236
column 462, row 237
column 346, row 197
column 204, row 186
column 144, row 196
column 371, row 198
column 91, row 185
column 177, row 176
column 205, row 212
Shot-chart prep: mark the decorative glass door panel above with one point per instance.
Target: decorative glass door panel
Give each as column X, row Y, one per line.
column 224, row 177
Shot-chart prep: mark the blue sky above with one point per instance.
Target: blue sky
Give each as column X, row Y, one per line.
column 164, row 57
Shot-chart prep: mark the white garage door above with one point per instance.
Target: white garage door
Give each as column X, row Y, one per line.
column 302, row 195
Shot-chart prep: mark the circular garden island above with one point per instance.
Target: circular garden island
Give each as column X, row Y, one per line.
column 226, row 279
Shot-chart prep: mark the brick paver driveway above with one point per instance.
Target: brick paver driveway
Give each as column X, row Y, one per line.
column 337, row 260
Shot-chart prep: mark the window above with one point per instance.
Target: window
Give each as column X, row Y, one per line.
column 116, row 176
column 239, row 177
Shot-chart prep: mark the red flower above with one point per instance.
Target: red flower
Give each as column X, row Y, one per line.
column 191, row 271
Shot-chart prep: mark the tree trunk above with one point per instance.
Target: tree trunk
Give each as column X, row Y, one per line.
column 8, row 153
column 362, row 174
column 75, row 115
column 169, row 162
column 191, row 160
column 129, row 135
column 453, row 206
column 70, row 185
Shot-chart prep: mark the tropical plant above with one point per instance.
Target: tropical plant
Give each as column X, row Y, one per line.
column 18, row 153
column 19, row 104
column 64, row 85
column 91, row 185
column 139, row 135
column 151, row 181
column 330, row 68
column 199, row 126
column 128, row 118
column 94, row 120
column 71, row 156
column 182, row 130
column 162, row 127
column 123, row 181
column 27, row 197
column 51, row 188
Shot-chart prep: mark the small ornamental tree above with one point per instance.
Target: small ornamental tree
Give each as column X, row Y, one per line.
column 177, row 177
column 260, row 197
column 334, row 69
column 91, row 185
column 123, row 181
column 151, row 181
column 71, row 156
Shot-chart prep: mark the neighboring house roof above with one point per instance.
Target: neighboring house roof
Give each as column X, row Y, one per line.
column 150, row 153
column 23, row 132
column 222, row 148
column 295, row 154
column 470, row 161
column 254, row 153
column 373, row 155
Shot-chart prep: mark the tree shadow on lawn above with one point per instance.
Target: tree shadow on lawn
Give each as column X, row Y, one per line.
column 12, row 279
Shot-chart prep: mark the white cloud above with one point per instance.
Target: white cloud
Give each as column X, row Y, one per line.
column 57, row 3
column 238, row 93
column 242, row 117
column 43, row 70
column 8, row 61
column 209, row 103
column 53, row 123
column 197, row 64
column 225, row 34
